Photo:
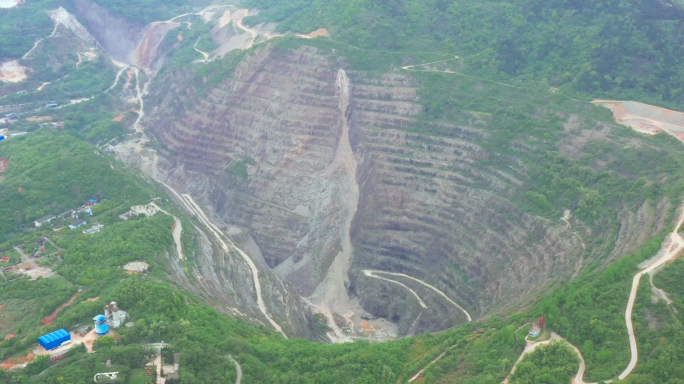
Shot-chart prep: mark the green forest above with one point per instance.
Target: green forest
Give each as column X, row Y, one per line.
column 594, row 49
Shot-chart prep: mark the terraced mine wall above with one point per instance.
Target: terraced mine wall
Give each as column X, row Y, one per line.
column 256, row 149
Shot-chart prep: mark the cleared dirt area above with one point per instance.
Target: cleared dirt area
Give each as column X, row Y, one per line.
column 12, row 72
column 38, row 118
column 48, row 320
column 317, row 33
column 10, row 3
column 17, row 362
column 645, row 118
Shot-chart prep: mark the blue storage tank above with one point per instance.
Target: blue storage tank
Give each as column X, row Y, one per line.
column 2, row 137
column 54, row 339
column 101, row 326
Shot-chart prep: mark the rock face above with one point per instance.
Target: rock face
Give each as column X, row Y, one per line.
column 126, row 42
column 332, row 174
column 118, row 36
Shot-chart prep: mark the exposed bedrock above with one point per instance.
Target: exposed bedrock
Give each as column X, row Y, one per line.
column 258, row 150
column 125, row 41
column 118, row 36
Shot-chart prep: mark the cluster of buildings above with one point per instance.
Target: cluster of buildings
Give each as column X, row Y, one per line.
column 72, row 213
column 113, row 317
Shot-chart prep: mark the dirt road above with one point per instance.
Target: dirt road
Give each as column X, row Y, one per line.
column 455, row 304
column 529, row 348
column 25, row 258
column 206, row 55
column 370, row 273
column 672, row 250
column 192, row 206
column 238, row 369
column 177, row 231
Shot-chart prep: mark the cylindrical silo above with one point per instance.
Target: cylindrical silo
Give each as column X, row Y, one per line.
column 101, row 327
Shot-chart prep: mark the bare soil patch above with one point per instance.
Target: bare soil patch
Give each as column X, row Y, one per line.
column 17, row 362
column 38, row 118
column 48, row 320
column 12, row 71
column 10, row 3
column 317, row 33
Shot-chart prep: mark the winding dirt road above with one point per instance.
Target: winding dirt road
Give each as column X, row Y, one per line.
column 455, row 304
column 255, row 272
column 238, row 369
column 673, row 249
column 194, row 208
column 370, row 273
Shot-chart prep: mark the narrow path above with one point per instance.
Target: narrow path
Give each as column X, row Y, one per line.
column 455, row 304
column 35, row 45
column 139, row 97
column 42, row 85
column 238, row 369
column 529, row 348
column 177, row 231
column 663, row 295
column 407, row 67
column 255, row 272
column 122, row 68
column 410, row 68
column 417, row 375
column 370, row 273
column 192, row 206
column 206, row 55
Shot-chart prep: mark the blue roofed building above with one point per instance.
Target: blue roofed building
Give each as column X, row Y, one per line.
column 54, row 339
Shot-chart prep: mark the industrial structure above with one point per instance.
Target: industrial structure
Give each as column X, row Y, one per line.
column 115, row 317
column 54, row 339
column 101, row 326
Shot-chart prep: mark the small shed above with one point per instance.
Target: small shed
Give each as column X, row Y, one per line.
column 54, row 339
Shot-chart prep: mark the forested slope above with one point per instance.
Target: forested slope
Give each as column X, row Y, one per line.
column 615, row 48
